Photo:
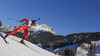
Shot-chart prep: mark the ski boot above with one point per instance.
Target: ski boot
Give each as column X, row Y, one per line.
column 22, row 42
column 6, row 36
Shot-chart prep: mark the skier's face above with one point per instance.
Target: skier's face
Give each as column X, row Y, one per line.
column 34, row 22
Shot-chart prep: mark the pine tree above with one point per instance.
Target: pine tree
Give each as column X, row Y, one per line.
column 0, row 23
column 92, row 50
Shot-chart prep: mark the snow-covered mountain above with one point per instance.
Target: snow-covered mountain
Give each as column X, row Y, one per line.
column 16, row 49
column 83, row 49
column 89, row 49
column 38, row 29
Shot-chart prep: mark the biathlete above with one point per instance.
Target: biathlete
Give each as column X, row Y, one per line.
column 24, row 27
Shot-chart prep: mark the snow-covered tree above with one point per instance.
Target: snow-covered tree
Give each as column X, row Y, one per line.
column 92, row 50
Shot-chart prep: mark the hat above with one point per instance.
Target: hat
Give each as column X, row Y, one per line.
column 34, row 21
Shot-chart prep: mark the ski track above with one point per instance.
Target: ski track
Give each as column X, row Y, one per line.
column 17, row 49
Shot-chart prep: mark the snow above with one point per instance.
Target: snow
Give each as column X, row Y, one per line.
column 43, row 27
column 17, row 49
column 72, row 47
column 97, row 46
column 50, row 49
column 97, row 54
column 82, row 52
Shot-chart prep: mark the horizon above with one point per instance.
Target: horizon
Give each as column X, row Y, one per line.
column 65, row 17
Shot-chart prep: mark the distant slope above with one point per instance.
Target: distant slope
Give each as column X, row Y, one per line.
column 84, row 49
column 16, row 49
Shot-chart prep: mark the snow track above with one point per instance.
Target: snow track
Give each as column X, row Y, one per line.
column 17, row 49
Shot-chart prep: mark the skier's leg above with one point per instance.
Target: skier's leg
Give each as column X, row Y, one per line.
column 27, row 31
column 15, row 31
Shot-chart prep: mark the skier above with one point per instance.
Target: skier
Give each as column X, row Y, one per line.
column 24, row 27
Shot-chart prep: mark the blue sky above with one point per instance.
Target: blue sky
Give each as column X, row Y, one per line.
column 65, row 16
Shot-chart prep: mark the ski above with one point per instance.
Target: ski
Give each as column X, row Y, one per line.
column 25, row 45
column 4, row 39
column 21, row 43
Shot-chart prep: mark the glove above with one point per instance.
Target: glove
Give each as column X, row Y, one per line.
column 21, row 21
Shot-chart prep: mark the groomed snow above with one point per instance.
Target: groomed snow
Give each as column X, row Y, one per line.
column 16, row 49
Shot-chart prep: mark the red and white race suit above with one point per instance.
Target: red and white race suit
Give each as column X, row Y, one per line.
column 24, row 27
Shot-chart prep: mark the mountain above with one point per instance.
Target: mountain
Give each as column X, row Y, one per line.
column 81, row 44
column 36, row 30
column 17, row 49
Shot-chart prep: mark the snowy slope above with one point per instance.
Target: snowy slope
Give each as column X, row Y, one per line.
column 16, row 49
column 72, row 47
column 81, row 50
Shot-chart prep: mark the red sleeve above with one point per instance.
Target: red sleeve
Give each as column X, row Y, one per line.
column 25, row 20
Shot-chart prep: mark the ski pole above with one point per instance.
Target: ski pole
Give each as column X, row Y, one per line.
column 37, row 19
column 17, row 20
column 12, row 19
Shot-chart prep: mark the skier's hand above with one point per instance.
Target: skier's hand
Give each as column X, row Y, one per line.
column 21, row 21
column 38, row 19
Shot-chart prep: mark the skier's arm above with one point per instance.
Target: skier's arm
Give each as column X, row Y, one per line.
column 25, row 20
